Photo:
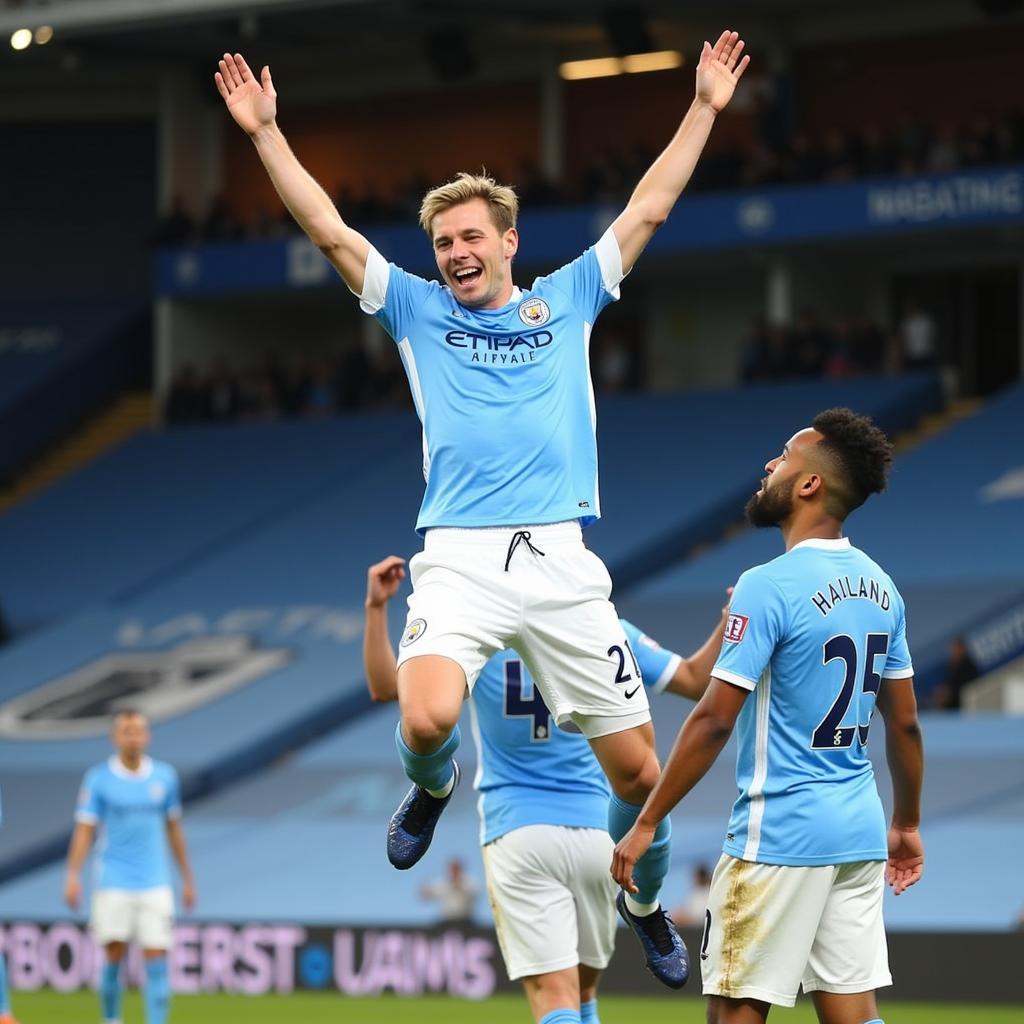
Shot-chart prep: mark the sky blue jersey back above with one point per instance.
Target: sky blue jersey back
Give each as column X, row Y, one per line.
column 130, row 810
column 504, row 395
column 813, row 634
column 529, row 772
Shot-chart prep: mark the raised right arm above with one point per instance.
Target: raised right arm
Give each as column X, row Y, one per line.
column 253, row 105
column 382, row 582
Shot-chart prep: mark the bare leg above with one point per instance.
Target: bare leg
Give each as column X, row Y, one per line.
column 556, row 990
column 845, row 1007
column 589, row 977
column 630, row 762
column 431, row 689
column 736, row 1011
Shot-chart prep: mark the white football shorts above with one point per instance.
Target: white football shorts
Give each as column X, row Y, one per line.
column 552, row 897
column 143, row 915
column 770, row 928
column 479, row 591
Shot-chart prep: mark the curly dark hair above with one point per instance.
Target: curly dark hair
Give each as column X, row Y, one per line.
column 861, row 454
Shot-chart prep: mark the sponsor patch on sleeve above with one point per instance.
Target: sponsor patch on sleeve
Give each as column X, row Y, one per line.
column 735, row 628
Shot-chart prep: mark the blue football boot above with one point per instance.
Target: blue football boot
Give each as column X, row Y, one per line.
column 412, row 826
column 664, row 951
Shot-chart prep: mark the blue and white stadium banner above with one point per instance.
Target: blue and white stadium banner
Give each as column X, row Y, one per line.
column 776, row 215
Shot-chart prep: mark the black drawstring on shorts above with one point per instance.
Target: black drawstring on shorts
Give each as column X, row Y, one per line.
column 514, row 543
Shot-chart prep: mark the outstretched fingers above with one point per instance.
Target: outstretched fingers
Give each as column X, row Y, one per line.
column 221, row 86
column 243, row 68
column 233, row 71
column 743, row 65
column 725, row 43
column 734, row 55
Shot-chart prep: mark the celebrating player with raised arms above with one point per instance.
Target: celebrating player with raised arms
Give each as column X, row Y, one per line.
column 501, row 381
column 815, row 641
column 543, row 809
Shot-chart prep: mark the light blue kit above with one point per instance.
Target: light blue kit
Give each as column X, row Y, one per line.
column 130, row 811
column 813, row 633
column 526, row 765
column 504, row 395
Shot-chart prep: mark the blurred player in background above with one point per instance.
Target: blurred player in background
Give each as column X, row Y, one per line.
column 6, row 1017
column 501, row 381
column 137, row 802
column 818, row 636
column 543, row 809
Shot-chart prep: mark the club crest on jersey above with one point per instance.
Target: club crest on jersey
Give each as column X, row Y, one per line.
column 735, row 628
column 157, row 791
column 413, row 632
column 534, row 312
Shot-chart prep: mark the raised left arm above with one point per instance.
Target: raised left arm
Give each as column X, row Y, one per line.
column 718, row 71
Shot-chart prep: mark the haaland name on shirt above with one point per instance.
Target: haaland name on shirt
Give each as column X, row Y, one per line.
column 842, row 589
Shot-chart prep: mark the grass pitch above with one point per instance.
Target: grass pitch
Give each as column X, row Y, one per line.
column 304, row 1008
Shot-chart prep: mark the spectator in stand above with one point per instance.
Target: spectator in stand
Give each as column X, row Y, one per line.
column 456, row 894
column 321, row 398
column 220, row 224
column 917, row 337
column 960, row 670
column 186, row 401
column 352, row 377
column 765, row 353
column 177, row 226
column 692, row 912
column 867, row 344
column 614, row 361
column 221, row 392
column 810, row 344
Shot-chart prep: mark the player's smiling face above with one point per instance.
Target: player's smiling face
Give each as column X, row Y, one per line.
column 474, row 258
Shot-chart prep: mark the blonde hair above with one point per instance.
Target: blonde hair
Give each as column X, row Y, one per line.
column 501, row 200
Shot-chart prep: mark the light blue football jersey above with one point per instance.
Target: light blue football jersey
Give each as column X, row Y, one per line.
column 504, row 395
column 529, row 772
column 130, row 810
column 813, row 634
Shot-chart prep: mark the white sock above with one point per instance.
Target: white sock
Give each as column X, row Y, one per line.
column 638, row 909
column 445, row 790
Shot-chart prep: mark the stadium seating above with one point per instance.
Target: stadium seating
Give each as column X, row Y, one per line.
column 257, row 537
column 58, row 363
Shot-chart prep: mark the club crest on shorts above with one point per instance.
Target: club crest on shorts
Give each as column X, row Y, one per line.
column 735, row 628
column 534, row 312
column 413, row 632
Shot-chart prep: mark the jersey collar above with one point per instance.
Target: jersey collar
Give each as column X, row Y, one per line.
column 836, row 544
column 144, row 771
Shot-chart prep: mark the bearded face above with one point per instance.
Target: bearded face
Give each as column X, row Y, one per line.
column 771, row 505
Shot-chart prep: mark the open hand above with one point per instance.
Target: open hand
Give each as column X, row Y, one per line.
column 252, row 103
column 719, row 69
column 906, row 859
